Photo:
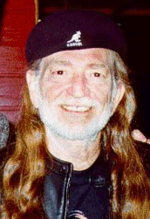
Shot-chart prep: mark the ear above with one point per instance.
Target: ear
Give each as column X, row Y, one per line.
column 119, row 95
column 32, row 85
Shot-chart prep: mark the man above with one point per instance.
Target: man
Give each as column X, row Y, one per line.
column 74, row 155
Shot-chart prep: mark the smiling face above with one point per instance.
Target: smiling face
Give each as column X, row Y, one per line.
column 75, row 92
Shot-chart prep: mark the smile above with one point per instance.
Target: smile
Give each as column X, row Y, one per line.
column 76, row 108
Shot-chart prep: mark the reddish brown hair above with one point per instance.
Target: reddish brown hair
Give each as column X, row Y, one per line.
column 25, row 170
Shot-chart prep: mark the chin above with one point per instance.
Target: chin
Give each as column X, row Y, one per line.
column 73, row 132
column 58, row 125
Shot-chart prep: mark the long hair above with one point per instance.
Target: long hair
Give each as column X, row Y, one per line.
column 25, row 170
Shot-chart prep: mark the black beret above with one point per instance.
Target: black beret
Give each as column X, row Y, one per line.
column 74, row 29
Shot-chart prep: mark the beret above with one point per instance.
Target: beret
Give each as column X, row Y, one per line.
column 74, row 29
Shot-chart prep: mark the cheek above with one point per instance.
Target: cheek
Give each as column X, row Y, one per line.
column 51, row 92
column 102, row 94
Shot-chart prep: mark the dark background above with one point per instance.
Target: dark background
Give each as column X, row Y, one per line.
column 133, row 16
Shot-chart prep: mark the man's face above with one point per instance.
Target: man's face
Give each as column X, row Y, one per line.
column 76, row 92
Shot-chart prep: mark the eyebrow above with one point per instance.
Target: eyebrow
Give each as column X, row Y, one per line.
column 95, row 65
column 60, row 62
column 68, row 63
column 55, row 62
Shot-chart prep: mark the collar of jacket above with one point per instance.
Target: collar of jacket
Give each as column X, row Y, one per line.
column 99, row 174
column 58, row 180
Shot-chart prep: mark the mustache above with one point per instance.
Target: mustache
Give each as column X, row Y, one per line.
column 76, row 102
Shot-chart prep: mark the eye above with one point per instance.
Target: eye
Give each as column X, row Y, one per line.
column 60, row 72
column 59, row 75
column 96, row 74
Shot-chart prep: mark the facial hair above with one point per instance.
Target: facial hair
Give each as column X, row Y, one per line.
column 90, row 130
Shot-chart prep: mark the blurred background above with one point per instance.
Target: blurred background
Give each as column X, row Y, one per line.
column 17, row 17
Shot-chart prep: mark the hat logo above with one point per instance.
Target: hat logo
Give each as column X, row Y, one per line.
column 75, row 40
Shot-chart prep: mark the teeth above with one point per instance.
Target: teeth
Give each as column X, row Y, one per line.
column 77, row 108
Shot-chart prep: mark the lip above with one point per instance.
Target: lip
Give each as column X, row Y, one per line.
column 76, row 109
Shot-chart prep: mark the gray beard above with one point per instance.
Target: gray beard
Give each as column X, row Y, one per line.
column 90, row 130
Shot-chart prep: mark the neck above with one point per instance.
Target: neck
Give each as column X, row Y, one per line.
column 81, row 153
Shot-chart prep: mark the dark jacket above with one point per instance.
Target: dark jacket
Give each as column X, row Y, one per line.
column 55, row 194
column 58, row 181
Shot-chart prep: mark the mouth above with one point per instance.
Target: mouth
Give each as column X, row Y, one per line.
column 76, row 109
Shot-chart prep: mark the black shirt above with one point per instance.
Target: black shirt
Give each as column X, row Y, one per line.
column 89, row 193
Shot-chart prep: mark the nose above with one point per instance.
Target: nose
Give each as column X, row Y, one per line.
column 78, row 87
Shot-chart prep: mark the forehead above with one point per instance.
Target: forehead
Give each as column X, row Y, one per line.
column 80, row 57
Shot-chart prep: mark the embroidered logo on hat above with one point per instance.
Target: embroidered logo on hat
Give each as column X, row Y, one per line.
column 75, row 40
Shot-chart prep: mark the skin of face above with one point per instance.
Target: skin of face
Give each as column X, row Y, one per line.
column 74, row 92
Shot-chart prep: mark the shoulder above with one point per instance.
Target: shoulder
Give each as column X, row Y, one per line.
column 7, row 144
column 143, row 150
